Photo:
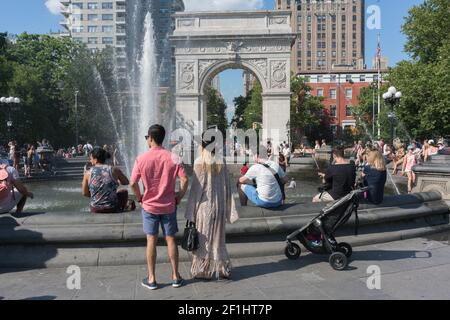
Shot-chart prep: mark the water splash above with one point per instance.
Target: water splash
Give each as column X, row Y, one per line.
column 148, row 94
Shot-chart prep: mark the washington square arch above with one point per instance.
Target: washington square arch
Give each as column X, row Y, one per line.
column 207, row 43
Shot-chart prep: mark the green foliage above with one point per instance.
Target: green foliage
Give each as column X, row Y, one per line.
column 216, row 110
column 424, row 110
column 45, row 72
column 308, row 115
column 427, row 30
column 253, row 112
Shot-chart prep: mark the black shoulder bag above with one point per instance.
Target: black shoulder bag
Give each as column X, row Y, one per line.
column 190, row 238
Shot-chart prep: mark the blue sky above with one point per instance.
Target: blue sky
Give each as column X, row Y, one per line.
column 32, row 16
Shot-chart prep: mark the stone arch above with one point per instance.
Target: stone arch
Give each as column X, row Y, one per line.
column 207, row 43
column 220, row 66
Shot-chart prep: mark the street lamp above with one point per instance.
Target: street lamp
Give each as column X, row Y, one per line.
column 392, row 97
column 76, row 118
column 9, row 101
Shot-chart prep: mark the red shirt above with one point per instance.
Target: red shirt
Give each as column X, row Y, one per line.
column 158, row 169
column 244, row 170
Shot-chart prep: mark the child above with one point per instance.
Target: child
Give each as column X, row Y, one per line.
column 408, row 163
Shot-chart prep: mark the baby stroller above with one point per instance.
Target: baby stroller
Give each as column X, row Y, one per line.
column 318, row 235
column 46, row 159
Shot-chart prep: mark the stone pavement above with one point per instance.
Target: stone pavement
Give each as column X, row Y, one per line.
column 410, row 269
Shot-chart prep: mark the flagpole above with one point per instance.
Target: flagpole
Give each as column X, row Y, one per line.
column 379, row 85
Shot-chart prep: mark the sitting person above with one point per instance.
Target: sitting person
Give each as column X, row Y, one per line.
column 10, row 198
column 100, row 184
column 340, row 177
column 269, row 179
column 292, row 184
column 375, row 177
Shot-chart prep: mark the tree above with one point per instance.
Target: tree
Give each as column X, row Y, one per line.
column 308, row 115
column 253, row 112
column 427, row 30
column 216, row 107
column 424, row 110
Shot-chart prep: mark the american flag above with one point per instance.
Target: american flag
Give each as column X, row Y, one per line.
column 379, row 54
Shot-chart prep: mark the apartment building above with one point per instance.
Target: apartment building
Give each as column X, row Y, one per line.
column 119, row 24
column 329, row 32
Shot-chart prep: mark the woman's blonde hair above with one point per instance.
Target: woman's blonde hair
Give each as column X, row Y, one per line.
column 211, row 163
column 375, row 160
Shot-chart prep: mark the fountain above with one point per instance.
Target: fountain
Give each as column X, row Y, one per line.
column 435, row 175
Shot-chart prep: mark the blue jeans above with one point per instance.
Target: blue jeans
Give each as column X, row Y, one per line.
column 152, row 221
column 253, row 196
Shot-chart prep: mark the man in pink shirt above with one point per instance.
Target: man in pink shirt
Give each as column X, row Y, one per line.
column 158, row 170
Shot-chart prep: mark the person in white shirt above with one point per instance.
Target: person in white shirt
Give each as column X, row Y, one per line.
column 14, row 194
column 292, row 184
column 269, row 179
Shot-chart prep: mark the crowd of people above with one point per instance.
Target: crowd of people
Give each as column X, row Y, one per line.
column 210, row 203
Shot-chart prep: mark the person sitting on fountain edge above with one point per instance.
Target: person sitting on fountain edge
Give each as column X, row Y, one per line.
column 264, row 183
column 100, row 184
column 340, row 177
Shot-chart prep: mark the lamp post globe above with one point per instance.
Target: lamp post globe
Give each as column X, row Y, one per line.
column 16, row 100
column 392, row 90
column 398, row 95
column 2, row 100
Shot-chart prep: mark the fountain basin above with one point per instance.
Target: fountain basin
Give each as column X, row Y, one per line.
column 67, row 228
column 434, row 176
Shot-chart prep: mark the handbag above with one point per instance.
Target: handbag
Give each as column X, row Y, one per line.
column 190, row 238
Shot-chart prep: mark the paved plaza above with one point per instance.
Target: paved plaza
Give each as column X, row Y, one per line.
column 411, row 269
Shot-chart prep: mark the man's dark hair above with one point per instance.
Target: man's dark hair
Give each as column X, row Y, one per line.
column 339, row 152
column 157, row 133
column 99, row 154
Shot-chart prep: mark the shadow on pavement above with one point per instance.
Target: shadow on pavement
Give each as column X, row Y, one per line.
column 251, row 271
column 21, row 257
column 41, row 298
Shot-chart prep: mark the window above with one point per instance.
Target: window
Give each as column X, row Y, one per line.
column 92, row 29
column 77, row 29
column 333, row 110
column 92, row 5
column 92, row 40
column 320, row 92
column 77, row 5
column 107, row 29
column 107, row 17
column 107, row 40
column 107, row 5
column 92, row 17
column 348, row 111
column 349, row 93
column 333, row 94
column 362, row 78
column 320, row 79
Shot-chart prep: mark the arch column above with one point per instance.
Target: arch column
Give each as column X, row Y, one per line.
column 276, row 116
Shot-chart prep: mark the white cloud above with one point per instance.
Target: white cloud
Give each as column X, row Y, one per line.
column 218, row 5
column 54, row 6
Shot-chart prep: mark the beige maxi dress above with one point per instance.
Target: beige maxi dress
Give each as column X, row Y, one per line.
column 211, row 205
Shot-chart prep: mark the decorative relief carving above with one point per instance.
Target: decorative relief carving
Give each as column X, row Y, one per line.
column 235, row 46
column 278, row 74
column 186, row 22
column 203, row 65
column 278, row 20
column 260, row 64
column 187, row 76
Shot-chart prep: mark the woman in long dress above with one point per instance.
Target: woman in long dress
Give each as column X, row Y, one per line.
column 211, row 205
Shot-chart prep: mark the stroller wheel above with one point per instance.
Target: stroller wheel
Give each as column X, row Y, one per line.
column 292, row 251
column 346, row 249
column 338, row 261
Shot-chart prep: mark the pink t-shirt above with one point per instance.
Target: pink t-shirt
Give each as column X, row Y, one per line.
column 158, row 169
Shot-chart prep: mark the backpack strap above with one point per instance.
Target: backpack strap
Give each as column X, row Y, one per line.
column 277, row 177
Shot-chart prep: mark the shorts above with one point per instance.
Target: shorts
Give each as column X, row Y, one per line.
column 253, row 196
column 152, row 221
column 11, row 203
